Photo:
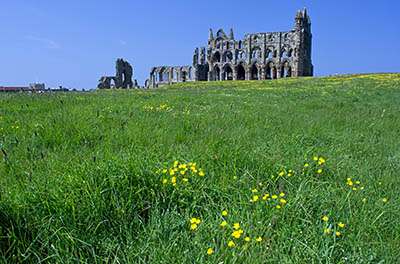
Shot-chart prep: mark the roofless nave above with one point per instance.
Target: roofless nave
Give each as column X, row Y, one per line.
column 258, row 56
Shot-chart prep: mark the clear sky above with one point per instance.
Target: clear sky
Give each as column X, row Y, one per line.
column 73, row 43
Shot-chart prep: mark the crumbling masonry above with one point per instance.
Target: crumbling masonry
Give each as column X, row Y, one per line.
column 258, row 56
column 122, row 78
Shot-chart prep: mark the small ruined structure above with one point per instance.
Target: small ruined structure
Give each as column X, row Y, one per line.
column 122, row 78
column 259, row 56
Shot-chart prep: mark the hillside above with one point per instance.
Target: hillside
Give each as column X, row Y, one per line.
column 306, row 170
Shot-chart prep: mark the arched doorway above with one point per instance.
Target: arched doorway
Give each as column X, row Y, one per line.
column 254, row 74
column 217, row 73
column 228, row 73
column 270, row 71
column 241, row 73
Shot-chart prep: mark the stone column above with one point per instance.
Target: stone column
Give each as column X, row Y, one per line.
column 234, row 74
column 262, row 73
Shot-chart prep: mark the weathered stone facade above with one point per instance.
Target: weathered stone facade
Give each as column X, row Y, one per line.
column 122, row 78
column 260, row 56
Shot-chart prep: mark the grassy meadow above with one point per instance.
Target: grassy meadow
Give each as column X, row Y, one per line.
column 302, row 170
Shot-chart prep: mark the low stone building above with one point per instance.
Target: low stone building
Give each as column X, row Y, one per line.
column 259, row 56
column 37, row 87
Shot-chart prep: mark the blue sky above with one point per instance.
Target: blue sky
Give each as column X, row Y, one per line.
column 73, row 43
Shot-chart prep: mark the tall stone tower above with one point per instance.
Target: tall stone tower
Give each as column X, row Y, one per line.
column 302, row 26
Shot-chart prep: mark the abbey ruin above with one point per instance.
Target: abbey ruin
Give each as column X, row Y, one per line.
column 122, row 78
column 259, row 56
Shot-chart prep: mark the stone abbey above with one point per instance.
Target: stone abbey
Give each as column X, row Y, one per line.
column 259, row 56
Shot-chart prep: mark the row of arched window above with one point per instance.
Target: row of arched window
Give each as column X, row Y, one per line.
column 163, row 74
column 255, row 54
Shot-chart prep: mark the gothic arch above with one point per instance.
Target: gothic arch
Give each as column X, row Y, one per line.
column 227, row 72
column 190, row 73
column 216, row 57
column 254, row 72
column 217, row 73
column 227, row 56
column 241, row 71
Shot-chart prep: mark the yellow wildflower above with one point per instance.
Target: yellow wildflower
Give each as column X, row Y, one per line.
column 176, row 163
column 319, row 171
column 182, row 172
column 326, row 230
column 340, row 224
column 259, row 239
column 315, row 158
column 198, row 221
column 173, row 179
column 357, row 182
column 281, row 173
column 282, row 194
column 223, row 223
column 325, row 218
column 255, row 198
column 210, row 251
column 254, row 190
column 201, row 173
column 278, row 206
column 224, row 213
column 306, row 165
column 274, row 196
column 364, row 200
column 283, row 201
column 185, row 179
column 247, row 239
column 337, row 233
column 171, row 172
column 164, row 181
column 236, row 226
column 164, row 171
column 384, row 200
column 260, row 184
column 231, row 243
column 193, row 226
column 193, row 220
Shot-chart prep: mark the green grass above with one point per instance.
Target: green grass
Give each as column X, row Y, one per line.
column 83, row 182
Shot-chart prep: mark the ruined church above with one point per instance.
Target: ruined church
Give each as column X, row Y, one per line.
column 259, row 56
